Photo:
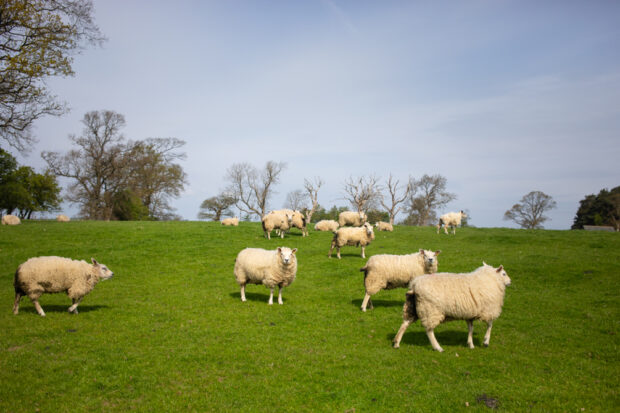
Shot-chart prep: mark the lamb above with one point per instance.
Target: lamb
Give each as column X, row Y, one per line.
column 62, row 218
column 355, row 236
column 384, row 226
column 326, row 225
column 10, row 220
column 54, row 275
column 355, row 219
column 451, row 219
column 276, row 220
column 270, row 268
column 395, row 271
column 435, row 298
column 234, row 222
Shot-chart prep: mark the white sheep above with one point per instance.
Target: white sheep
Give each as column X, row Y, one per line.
column 435, row 298
column 10, row 220
column 385, row 272
column 355, row 236
column 298, row 220
column 271, row 268
column 276, row 220
column 451, row 219
column 384, row 226
column 355, row 219
column 326, row 225
column 63, row 218
column 230, row 222
column 54, row 275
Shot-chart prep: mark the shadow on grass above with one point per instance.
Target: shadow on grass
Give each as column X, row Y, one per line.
column 29, row 308
column 254, row 296
column 378, row 303
column 445, row 338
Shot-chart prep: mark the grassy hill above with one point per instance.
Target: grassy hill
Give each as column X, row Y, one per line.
column 169, row 332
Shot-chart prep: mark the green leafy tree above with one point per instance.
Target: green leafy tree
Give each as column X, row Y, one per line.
column 129, row 207
column 37, row 41
column 601, row 209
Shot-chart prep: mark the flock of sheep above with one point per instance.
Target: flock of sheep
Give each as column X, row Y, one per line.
column 432, row 297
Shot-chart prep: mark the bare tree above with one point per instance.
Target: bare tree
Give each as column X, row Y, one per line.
column 253, row 188
column 216, row 207
column 37, row 41
column 529, row 212
column 312, row 188
column 296, row 200
column 363, row 193
column 396, row 197
column 426, row 196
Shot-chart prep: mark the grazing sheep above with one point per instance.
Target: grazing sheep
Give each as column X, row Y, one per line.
column 451, row 219
column 435, row 298
column 54, row 275
column 355, row 236
column 270, row 268
column 10, row 220
column 62, row 218
column 355, row 219
column 298, row 220
column 326, row 225
column 384, row 226
column 276, row 220
column 231, row 222
column 385, row 272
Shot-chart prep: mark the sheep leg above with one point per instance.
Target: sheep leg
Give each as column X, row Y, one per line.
column 401, row 331
column 330, row 250
column 280, row 295
column 431, row 337
column 363, row 255
column 18, row 297
column 243, row 293
column 372, row 307
column 76, row 302
column 271, row 296
column 470, row 334
column 37, row 306
column 487, row 335
column 365, row 302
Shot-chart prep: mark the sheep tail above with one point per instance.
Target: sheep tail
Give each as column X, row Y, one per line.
column 410, row 311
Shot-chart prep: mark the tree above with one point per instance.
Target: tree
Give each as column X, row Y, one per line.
column 396, row 197
column 529, row 212
column 426, row 196
column 363, row 193
column 37, row 40
column 601, row 209
column 296, row 200
column 216, row 207
column 253, row 188
column 312, row 188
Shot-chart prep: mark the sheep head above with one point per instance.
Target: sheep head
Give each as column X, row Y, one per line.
column 102, row 271
column 502, row 272
column 287, row 255
column 430, row 260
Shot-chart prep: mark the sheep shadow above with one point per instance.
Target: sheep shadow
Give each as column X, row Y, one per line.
column 55, row 308
column 445, row 338
column 253, row 296
column 378, row 303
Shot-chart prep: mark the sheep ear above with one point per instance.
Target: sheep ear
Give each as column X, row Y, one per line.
column 279, row 249
column 294, row 250
column 437, row 252
column 94, row 261
column 422, row 251
column 501, row 267
column 484, row 263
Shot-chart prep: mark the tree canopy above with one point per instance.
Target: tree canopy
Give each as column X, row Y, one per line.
column 601, row 209
column 529, row 212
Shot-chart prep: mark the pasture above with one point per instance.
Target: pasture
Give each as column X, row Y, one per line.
column 169, row 332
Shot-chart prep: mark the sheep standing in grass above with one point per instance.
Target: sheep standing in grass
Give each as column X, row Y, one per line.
column 10, row 220
column 326, row 225
column 356, row 219
column 298, row 220
column 435, row 298
column 54, row 275
column 384, row 271
column 384, row 226
column 270, row 268
column 451, row 219
column 231, row 222
column 276, row 220
column 354, row 236
column 62, row 218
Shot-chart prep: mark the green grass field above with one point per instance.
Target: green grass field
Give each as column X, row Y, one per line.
column 169, row 332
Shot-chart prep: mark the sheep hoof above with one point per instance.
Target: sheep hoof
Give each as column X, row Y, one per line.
column 486, row 344
column 396, row 345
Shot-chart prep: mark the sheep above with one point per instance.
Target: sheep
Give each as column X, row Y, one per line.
column 271, row 268
column 355, row 219
column 276, row 220
column 435, row 298
column 298, row 220
column 384, row 226
column 63, row 218
column 10, row 220
column 54, row 275
column 326, row 225
column 234, row 222
column 451, row 219
column 352, row 236
column 395, row 271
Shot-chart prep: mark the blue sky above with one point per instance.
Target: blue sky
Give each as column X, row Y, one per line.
column 500, row 97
